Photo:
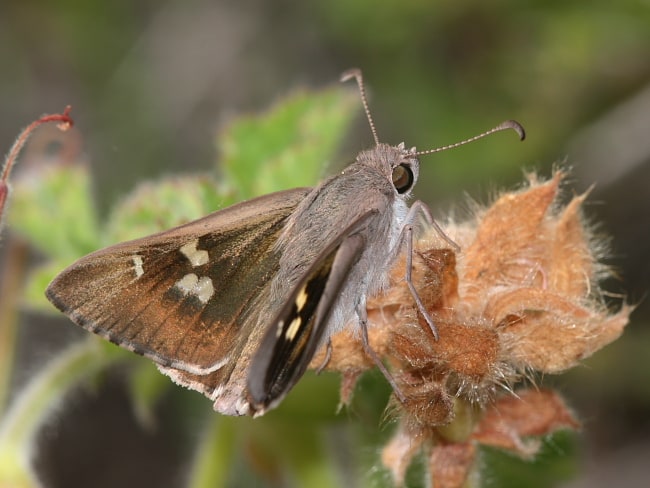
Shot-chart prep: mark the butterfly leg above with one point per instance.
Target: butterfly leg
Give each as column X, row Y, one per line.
column 362, row 314
column 408, row 230
column 420, row 207
column 407, row 235
column 328, row 356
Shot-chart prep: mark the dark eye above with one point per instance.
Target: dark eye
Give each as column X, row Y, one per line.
column 402, row 178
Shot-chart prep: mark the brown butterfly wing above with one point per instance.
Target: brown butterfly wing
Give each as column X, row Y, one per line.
column 181, row 297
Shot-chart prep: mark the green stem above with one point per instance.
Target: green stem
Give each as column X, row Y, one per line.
column 35, row 403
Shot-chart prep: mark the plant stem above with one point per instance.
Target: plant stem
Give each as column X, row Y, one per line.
column 35, row 403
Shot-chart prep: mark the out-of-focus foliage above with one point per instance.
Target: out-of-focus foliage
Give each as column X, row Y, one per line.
column 150, row 82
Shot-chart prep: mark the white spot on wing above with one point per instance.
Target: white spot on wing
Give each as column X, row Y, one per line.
column 138, row 265
column 301, row 299
column 278, row 331
column 201, row 288
column 187, row 283
column 195, row 256
column 204, row 289
column 294, row 326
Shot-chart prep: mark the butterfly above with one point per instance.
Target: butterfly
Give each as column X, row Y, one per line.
column 236, row 304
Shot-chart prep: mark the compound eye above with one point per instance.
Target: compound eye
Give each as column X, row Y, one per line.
column 402, row 178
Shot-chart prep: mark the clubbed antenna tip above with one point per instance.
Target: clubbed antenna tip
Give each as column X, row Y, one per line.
column 508, row 124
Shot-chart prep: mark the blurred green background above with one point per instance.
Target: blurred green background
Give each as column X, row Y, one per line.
column 151, row 82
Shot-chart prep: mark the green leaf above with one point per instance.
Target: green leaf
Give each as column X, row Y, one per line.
column 288, row 146
column 39, row 278
column 553, row 464
column 153, row 207
column 53, row 209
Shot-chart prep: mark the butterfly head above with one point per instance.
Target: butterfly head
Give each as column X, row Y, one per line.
column 397, row 164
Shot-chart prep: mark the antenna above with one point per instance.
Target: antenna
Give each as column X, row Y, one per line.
column 356, row 74
column 508, row 124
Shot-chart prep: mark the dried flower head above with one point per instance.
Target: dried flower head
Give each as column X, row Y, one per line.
column 521, row 298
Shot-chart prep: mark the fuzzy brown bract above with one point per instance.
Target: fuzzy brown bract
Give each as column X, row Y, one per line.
column 521, row 299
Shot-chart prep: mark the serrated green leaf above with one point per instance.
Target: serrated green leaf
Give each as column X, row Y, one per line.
column 153, row 207
column 53, row 209
column 288, row 146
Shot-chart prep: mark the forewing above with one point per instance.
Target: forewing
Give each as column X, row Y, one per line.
column 291, row 340
column 181, row 297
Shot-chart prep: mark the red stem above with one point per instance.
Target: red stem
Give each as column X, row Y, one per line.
column 65, row 122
